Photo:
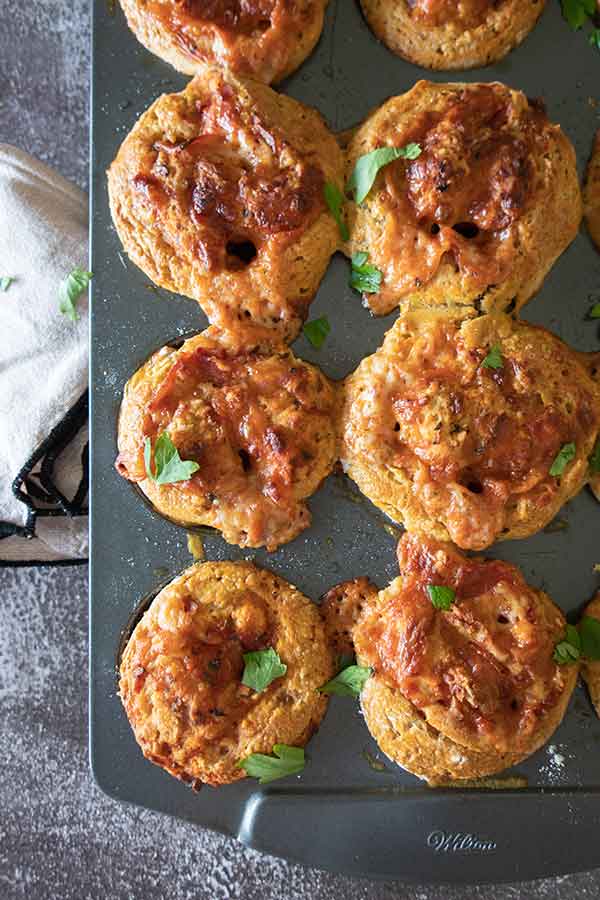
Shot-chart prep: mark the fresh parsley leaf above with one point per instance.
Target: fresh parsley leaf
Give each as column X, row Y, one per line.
column 367, row 166
column 589, row 632
column 595, row 42
column 568, row 650
column 365, row 277
column 5, row 282
column 494, row 358
column 170, row 468
column 440, row 596
column 595, row 458
column 565, row 455
column 594, row 312
column 577, row 12
column 335, row 201
column 347, row 683
column 316, row 331
column 261, row 668
column 286, row 761
column 70, row 291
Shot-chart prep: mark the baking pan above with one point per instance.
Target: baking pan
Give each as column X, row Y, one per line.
column 352, row 810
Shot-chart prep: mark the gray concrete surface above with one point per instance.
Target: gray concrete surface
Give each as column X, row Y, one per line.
column 60, row 838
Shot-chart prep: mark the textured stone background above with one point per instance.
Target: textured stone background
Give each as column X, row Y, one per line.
column 59, row 837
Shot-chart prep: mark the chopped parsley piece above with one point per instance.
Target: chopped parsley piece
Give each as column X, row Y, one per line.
column 170, row 468
column 577, row 12
column 595, row 458
column 261, row 668
column 595, row 40
column 589, row 632
column 286, row 761
column 317, row 331
column 595, row 310
column 335, row 201
column 367, row 167
column 365, row 277
column 70, row 291
column 565, row 455
column 568, row 650
column 5, row 282
column 440, row 596
column 347, row 683
column 494, row 358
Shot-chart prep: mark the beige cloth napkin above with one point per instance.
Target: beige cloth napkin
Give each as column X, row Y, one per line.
column 43, row 365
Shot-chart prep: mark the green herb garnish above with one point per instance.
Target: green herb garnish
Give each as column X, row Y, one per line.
column 565, row 455
column 440, row 596
column 589, row 632
column 286, row 761
column 568, row 649
column 348, row 683
column 365, row 277
column 261, row 668
column 70, row 291
column 595, row 458
column 317, row 331
column 170, row 468
column 594, row 312
column 5, row 282
column 335, row 201
column 577, row 12
column 367, row 166
column 494, row 358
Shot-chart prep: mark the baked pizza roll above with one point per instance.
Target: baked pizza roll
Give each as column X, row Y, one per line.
column 484, row 200
column 267, row 39
column 452, row 34
column 470, row 429
column 218, row 193
column 183, row 679
column 591, row 194
column 590, row 669
column 254, row 425
column 464, row 681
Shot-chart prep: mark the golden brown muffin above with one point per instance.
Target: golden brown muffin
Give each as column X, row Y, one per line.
column 258, row 422
column 591, row 670
column 480, row 216
column 267, row 39
column 446, row 34
column 591, row 193
column 449, row 445
column 218, row 193
column 469, row 690
column 182, row 668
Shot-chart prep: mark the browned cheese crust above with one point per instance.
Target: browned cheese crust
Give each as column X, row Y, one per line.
column 449, row 446
column 258, row 422
column 468, row 691
column 181, row 671
column 218, row 193
column 452, row 34
column 266, row 39
column 591, row 193
column 591, row 670
column 342, row 607
column 477, row 219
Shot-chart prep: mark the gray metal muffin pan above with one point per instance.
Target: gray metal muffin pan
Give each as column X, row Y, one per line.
column 342, row 813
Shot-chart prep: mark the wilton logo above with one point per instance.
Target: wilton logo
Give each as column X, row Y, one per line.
column 458, row 842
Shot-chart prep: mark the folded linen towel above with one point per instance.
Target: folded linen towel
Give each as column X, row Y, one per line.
column 43, row 366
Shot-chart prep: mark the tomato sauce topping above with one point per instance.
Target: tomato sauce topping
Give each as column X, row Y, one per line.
column 465, row 193
column 198, row 668
column 239, row 182
column 487, row 435
column 482, row 671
